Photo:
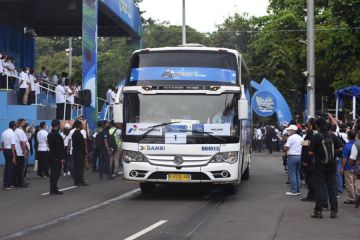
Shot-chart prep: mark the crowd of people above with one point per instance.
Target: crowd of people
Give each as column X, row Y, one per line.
column 29, row 84
column 324, row 153
column 68, row 148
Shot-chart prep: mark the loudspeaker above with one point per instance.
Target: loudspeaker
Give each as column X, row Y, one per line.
column 85, row 98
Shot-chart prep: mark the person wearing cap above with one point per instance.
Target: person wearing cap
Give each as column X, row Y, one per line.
column 293, row 151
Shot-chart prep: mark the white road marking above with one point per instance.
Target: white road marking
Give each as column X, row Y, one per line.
column 146, row 230
column 61, row 190
column 70, row 216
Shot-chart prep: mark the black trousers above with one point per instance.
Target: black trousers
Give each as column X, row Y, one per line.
column 43, row 164
column 309, row 180
column 19, row 171
column 55, row 169
column 31, row 99
column 79, row 165
column 21, row 94
column 60, row 111
column 325, row 185
column 96, row 156
column 258, row 145
column 68, row 110
column 9, row 170
column 3, row 81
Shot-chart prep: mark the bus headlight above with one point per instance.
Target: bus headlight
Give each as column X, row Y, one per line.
column 229, row 157
column 131, row 156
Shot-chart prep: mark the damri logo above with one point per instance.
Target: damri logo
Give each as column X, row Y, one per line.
column 151, row 148
column 134, row 128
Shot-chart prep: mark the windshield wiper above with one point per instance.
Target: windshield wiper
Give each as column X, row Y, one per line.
column 206, row 133
column 153, row 127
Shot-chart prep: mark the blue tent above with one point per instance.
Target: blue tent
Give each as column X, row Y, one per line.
column 352, row 92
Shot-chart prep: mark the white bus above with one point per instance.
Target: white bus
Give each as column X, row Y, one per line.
column 186, row 117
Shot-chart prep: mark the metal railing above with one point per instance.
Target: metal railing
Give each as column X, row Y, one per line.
column 78, row 108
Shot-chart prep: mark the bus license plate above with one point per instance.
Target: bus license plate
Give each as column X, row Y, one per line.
column 179, row 177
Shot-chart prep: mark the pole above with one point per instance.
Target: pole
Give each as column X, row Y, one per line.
column 354, row 107
column 183, row 24
column 311, row 58
column 70, row 56
column 337, row 108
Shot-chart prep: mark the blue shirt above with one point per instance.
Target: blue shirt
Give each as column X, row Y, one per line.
column 346, row 154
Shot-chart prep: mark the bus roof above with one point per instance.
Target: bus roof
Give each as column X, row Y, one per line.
column 189, row 48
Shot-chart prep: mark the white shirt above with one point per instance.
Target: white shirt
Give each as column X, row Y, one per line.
column 37, row 88
column 354, row 152
column 24, row 79
column 109, row 95
column 32, row 82
column 112, row 98
column 69, row 137
column 8, row 138
column 294, row 145
column 20, row 137
column 59, row 94
column 68, row 91
column 42, row 140
column 55, row 79
column 259, row 134
column 1, row 66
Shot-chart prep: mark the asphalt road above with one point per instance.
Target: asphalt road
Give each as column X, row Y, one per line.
column 115, row 209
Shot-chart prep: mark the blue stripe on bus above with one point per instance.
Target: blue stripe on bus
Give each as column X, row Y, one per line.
column 183, row 74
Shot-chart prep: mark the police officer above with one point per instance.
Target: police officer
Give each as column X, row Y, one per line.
column 56, row 155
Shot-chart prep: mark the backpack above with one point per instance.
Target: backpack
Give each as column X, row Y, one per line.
column 328, row 150
column 112, row 141
column 99, row 140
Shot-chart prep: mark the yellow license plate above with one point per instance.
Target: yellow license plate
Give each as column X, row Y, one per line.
column 179, row 177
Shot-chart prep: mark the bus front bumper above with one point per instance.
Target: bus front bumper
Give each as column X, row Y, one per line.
column 218, row 173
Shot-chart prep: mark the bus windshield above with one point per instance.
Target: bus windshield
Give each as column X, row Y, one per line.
column 196, row 118
column 183, row 67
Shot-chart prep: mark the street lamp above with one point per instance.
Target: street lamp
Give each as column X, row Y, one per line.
column 183, row 23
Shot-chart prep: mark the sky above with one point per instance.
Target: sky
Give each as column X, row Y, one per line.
column 202, row 15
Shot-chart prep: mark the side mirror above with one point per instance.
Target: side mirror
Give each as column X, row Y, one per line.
column 118, row 113
column 243, row 109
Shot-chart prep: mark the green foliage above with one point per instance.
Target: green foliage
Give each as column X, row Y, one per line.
column 274, row 46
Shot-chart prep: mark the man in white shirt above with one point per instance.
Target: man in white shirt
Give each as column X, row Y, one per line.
column 259, row 136
column 32, row 87
column 293, row 150
column 23, row 84
column 60, row 100
column 110, row 99
column 2, row 75
column 69, row 95
column 43, row 151
column 22, row 152
column 8, row 140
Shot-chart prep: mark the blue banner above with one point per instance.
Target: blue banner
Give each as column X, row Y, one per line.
column 264, row 103
column 281, row 107
column 127, row 11
column 183, row 74
column 89, row 53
